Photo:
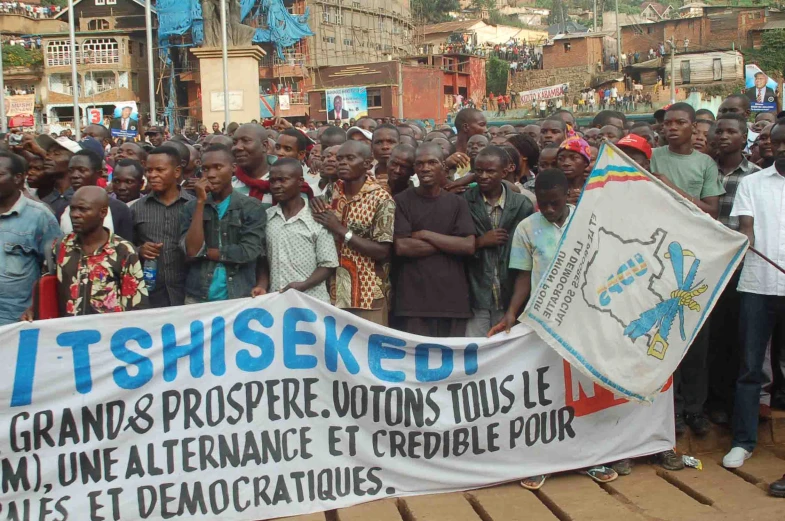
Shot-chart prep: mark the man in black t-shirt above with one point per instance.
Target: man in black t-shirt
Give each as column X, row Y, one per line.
column 434, row 232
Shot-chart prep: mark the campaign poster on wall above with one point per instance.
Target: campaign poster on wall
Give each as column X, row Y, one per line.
column 760, row 89
column 125, row 120
column 347, row 103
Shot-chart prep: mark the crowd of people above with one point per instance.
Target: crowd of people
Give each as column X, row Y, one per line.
column 33, row 11
column 441, row 233
column 522, row 56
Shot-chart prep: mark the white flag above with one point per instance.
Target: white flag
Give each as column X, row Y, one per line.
column 639, row 269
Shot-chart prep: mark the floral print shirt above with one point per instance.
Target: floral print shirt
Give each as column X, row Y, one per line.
column 107, row 281
column 361, row 282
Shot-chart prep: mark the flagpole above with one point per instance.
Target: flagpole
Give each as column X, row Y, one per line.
column 74, row 75
column 225, row 59
column 148, row 22
column 762, row 256
column 3, row 119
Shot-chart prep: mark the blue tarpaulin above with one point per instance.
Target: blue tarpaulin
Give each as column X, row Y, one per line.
column 178, row 17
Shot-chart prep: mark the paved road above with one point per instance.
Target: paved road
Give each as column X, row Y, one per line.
column 649, row 494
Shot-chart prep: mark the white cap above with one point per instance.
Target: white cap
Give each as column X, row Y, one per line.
column 367, row 133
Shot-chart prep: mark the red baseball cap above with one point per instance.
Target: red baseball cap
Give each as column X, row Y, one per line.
column 635, row 142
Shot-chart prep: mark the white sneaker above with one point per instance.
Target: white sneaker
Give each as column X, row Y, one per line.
column 735, row 458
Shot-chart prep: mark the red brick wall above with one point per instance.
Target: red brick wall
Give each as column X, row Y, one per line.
column 555, row 56
column 422, row 93
column 720, row 30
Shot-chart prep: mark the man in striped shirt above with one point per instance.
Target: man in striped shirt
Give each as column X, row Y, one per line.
column 156, row 218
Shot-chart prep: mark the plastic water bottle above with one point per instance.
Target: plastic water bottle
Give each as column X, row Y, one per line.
column 150, row 271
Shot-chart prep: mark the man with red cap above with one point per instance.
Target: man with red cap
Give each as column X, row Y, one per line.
column 638, row 148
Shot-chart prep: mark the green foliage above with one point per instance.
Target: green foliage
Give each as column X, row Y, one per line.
column 771, row 56
column 496, row 72
column 18, row 56
column 61, row 3
column 433, row 11
column 495, row 17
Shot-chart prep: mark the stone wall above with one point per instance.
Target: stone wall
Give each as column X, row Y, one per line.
column 577, row 77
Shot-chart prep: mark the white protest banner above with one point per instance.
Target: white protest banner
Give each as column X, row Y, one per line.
column 554, row 91
column 282, row 405
column 639, row 269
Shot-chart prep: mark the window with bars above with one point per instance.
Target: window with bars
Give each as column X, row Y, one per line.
column 58, row 52
column 100, row 50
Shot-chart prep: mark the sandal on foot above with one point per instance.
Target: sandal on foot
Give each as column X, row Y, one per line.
column 601, row 474
column 533, row 482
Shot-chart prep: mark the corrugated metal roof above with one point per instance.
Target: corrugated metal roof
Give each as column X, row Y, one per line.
column 450, row 27
column 774, row 24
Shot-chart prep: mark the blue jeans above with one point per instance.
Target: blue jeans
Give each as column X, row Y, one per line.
column 759, row 314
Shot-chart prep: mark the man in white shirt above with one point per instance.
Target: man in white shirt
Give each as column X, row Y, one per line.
column 760, row 207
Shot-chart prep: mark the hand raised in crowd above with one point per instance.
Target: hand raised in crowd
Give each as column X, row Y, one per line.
column 202, row 187
column 150, row 250
column 458, row 159
column 497, row 237
column 573, row 195
column 504, row 325
column 317, row 205
column 330, row 221
column 190, row 183
column 281, row 124
column 31, row 145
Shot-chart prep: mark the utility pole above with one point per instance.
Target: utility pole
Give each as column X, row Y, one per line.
column 148, row 22
column 595, row 17
column 74, row 75
column 618, row 36
column 225, row 58
column 673, row 68
column 3, row 120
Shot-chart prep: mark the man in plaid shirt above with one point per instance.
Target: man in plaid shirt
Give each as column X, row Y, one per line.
column 723, row 368
column 733, row 166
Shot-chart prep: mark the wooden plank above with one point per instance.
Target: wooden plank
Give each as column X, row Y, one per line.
column 511, row 502
column 724, row 489
column 580, row 499
column 440, row 507
column 647, row 491
column 382, row 510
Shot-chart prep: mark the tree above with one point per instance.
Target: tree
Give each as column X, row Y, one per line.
column 433, row 11
column 771, row 55
column 496, row 73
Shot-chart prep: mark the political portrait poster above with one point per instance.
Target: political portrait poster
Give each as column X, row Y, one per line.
column 347, row 103
column 125, row 120
column 760, row 89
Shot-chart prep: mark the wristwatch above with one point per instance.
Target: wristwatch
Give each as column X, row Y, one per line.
column 348, row 236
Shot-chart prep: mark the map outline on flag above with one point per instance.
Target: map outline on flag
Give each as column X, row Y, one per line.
column 632, row 344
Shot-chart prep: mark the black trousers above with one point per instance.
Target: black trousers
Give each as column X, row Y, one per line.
column 691, row 379
column 725, row 348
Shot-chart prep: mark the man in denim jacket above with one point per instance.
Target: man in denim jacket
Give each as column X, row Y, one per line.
column 222, row 233
column 28, row 229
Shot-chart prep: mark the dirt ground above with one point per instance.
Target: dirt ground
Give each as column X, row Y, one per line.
column 648, row 494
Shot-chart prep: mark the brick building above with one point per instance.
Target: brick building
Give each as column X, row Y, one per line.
column 425, row 80
column 575, row 50
column 720, row 28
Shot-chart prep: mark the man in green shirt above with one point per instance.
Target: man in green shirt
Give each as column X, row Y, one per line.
column 694, row 176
